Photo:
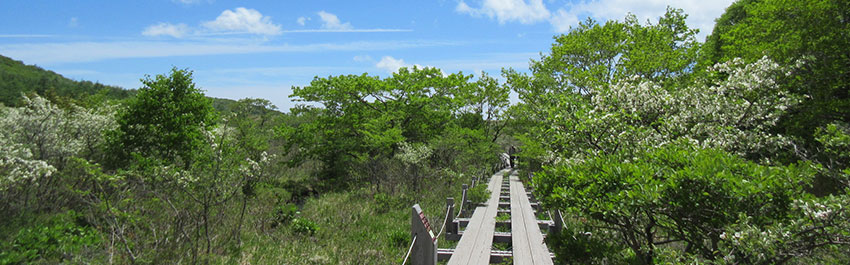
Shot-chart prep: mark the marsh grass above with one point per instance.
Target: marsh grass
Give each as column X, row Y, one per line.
column 354, row 227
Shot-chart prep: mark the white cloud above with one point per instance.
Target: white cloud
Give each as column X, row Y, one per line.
column 462, row 7
column 363, row 58
column 331, row 21
column 508, row 10
column 302, row 20
column 390, row 64
column 243, row 20
column 166, row 29
column 562, row 21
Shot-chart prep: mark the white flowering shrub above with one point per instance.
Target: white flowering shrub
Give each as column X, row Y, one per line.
column 412, row 154
column 40, row 137
column 17, row 165
column 53, row 134
column 634, row 114
column 89, row 125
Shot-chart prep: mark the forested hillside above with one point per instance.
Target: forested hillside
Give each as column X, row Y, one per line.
column 16, row 79
column 658, row 148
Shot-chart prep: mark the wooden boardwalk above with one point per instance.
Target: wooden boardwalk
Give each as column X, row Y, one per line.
column 474, row 245
column 476, row 242
column 528, row 247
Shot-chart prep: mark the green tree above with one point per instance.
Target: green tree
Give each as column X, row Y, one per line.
column 365, row 119
column 814, row 31
column 165, row 120
column 595, row 55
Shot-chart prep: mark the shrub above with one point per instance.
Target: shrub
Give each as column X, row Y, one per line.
column 59, row 239
column 304, row 226
column 284, row 214
column 477, row 194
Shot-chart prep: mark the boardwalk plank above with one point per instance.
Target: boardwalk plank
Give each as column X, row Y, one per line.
column 474, row 246
column 528, row 246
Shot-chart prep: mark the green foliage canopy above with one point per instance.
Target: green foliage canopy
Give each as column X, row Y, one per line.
column 165, row 120
column 365, row 117
column 815, row 31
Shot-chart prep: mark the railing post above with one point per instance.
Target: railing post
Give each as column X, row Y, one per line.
column 558, row 223
column 425, row 248
column 450, row 219
column 463, row 202
column 474, row 180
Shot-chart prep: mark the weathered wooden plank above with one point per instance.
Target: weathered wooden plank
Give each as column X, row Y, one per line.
column 474, row 245
column 528, row 246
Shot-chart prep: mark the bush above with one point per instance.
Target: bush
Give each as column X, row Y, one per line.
column 383, row 202
column 478, row 194
column 60, row 238
column 284, row 214
column 304, row 226
column 576, row 244
column 673, row 194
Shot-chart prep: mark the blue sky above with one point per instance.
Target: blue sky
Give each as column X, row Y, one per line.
column 240, row 49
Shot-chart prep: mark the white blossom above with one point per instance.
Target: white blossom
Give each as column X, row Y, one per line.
column 634, row 114
column 39, row 136
column 413, row 153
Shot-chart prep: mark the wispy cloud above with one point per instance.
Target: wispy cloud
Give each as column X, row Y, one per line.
column 331, row 22
column 187, row 2
column 166, row 29
column 345, row 30
column 363, row 58
column 508, row 10
column 242, row 21
column 250, row 74
column 57, row 53
column 24, row 36
column 302, row 20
